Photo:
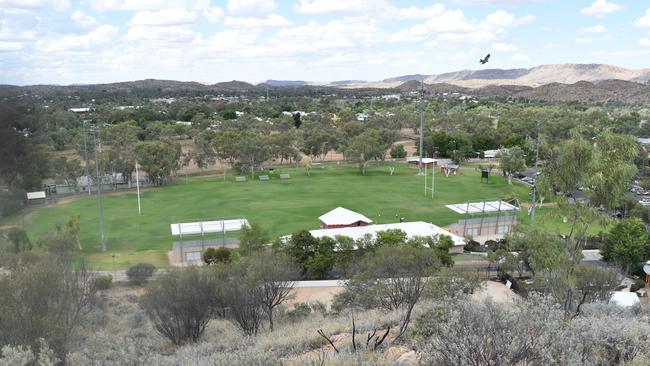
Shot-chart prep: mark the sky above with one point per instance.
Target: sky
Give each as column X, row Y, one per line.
column 97, row 41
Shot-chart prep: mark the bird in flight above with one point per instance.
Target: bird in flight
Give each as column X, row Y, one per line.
column 485, row 60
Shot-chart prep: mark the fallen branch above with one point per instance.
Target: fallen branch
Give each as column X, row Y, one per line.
column 322, row 334
column 380, row 341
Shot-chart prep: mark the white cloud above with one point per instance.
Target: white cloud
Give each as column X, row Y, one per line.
column 34, row 5
column 346, row 33
column 451, row 27
column 213, row 14
column 601, row 7
column 594, row 29
column 520, row 57
column 270, row 21
column 135, row 5
column 169, row 35
column 644, row 21
column 82, row 20
column 644, row 42
column 102, row 35
column 585, row 40
column 10, row 46
column 163, row 17
column 337, row 6
column 251, row 8
column 525, row 20
column 503, row 47
column 498, row 1
column 380, row 8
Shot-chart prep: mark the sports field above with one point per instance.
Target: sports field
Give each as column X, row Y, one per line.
column 279, row 206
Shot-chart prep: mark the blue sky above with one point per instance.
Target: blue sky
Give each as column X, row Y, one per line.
column 91, row 41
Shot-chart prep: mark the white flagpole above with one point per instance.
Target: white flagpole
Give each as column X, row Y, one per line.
column 433, row 171
column 425, row 178
column 137, row 185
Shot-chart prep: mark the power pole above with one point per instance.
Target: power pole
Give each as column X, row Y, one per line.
column 421, row 172
column 99, row 189
column 86, row 156
column 534, row 190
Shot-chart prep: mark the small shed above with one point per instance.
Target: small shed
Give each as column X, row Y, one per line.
column 414, row 162
column 490, row 154
column 36, row 197
column 342, row 217
column 450, row 169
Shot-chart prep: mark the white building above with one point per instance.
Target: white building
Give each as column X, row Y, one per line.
column 490, row 154
column 342, row 217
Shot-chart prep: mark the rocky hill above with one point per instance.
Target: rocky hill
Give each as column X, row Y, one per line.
column 536, row 76
column 617, row 91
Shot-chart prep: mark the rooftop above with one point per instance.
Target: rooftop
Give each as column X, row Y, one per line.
column 342, row 216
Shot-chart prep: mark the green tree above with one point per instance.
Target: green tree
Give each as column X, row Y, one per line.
column 398, row 152
column 392, row 237
column 47, row 301
column 274, row 273
column 217, row 255
column 159, row 159
column 203, row 153
column 140, row 273
column 121, row 138
column 19, row 241
column 181, row 303
column 251, row 153
column 627, row 244
column 365, row 147
column 511, row 161
column 252, row 239
column 393, row 278
column 607, row 176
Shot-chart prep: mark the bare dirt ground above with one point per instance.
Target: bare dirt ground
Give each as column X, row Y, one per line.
column 315, row 294
column 496, row 291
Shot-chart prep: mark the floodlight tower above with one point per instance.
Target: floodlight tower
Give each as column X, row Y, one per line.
column 94, row 130
column 83, row 129
column 534, row 190
column 420, row 170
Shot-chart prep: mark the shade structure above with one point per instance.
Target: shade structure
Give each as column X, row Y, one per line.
column 207, row 227
column 482, row 207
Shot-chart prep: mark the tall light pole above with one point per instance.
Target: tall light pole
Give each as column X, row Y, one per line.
column 99, row 189
column 86, row 157
column 534, row 188
column 420, row 170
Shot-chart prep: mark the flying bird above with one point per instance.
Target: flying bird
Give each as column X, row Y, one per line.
column 485, row 60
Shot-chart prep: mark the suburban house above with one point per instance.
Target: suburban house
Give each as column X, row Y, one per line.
column 81, row 112
column 414, row 162
column 490, row 154
column 342, row 217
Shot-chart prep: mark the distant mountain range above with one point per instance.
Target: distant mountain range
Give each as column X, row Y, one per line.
column 536, row 76
column 560, row 82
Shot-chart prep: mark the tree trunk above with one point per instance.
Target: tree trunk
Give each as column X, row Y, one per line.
column 509, row 178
